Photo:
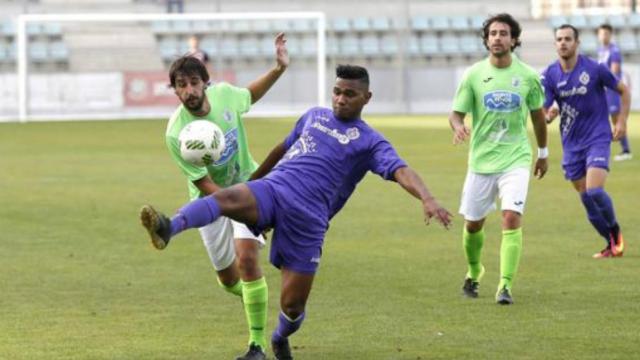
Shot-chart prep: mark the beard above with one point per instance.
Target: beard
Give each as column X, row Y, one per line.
column 193, row 103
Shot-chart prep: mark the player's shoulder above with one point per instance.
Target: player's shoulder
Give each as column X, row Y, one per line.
column 526, row 69
column 477, row 68
column 175, row 122
column 551, row 71
column 614, row 48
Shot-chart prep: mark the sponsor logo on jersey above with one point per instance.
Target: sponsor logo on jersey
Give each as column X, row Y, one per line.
column 502, row 101
column 515, row 82
column 231, row 146
column 344, row 139
column 582, row 90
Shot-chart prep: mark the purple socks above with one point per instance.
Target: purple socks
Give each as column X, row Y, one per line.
column 198, row 213
column 286, row 327
column 624, row 142
column 594, row 216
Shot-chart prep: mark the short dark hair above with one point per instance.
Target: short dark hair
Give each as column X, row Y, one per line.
column 187, row 65
column 514, row 26
column 606, row 26
column 576, row 33
column 353, row 72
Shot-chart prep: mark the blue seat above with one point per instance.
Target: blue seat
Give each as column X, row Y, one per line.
column 470, row 44
column 281, row 25
column 429, row 45
column 209, row 44
column 4, row 53
column 370, row 46
column 460, row 23
column 52, row 29
column 267, row 48
column 7, row 28
column 596, row 20
column 579, row 21
column 160, row 27
column 200, row 26
column 340, row 24
column 309, row 46
column 240, row 26
column 476, row 22
column 332, row 46
column 249, row 47
column 419, row 23
column 361, row 24
column 229, row 47
column 294, row 47
column 413, row 46
column 302, row 25
column 588, row 42
column 628, row 42
column 449, row 45
column 34, row 29
column 59, row 51
column 440, row 23
column 556, row 21
column 389, row 44
column 38, row 51
column 380, row 24
column 634, row 20
column 349, row 46
column 617, row 21
column 181, row 27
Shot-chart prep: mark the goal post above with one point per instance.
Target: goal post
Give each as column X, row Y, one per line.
column 245, row 39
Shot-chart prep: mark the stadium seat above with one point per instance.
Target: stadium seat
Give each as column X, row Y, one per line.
column 281, row 25
column 340, row 24
column 634, row 20
column 588, row 41
column 389, row 45
column 229, row 47
column 249, row 47
column 309, row 46
column 627, row 42
column 370, row 46
column 596, row 20
column 59, row 51
column 7, row 28
column 439, row 23
column 429, row 45
column 4, row 53
column 302, row 25
column 470, row 44
column 449, row 45
column 200, row 26
column 266, row 46
column 476, row 22
column 579, row 21
column 556, row 21
column 294, row 46
column 209, row 44
column 52, row 29
column 419, row 23
column 332, row 46
column 240, row 26
column 34, row 29
column 413, row 46
column 349, row 46
column 459, row 23
column 617, row 21
column 361, row 24
column 380, row 24
column 181, row 27
column 38, row 51
column 160, row 27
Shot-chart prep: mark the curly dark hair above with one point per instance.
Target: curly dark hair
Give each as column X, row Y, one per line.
column 505, row 18
column 187, row 65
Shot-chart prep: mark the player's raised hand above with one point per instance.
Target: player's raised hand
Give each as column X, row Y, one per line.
column 431, row 209
column 282, row 54
column 460, row 134
column 542, row 165
column 620, row 130
column 551, row 114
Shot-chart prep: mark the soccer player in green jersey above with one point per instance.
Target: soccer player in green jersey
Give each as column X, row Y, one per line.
column 224, row 104
column 499, row 92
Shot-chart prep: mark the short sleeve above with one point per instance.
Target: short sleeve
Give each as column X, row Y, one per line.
column 241, row 97
column 463, row 100
column 384, row 160
column 296, row 132
column 615, row 56
column 536, row 96
column 607, row 78
column 192, row 172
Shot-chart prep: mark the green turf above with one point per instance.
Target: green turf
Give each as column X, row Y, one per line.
column 79, row 280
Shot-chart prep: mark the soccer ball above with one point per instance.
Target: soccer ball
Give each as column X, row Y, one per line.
column 201, row 143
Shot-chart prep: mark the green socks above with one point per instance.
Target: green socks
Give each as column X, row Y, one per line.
column 235, row 289
column 510, row 251
column 472, row 243
column 255, row 295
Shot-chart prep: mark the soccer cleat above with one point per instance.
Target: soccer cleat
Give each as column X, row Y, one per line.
column 470, row 287
column 617, row 243
column 254, row 353
column 281, row 349
column 503, row 297
column 604, row 253
column 623, row 156
column 158, row 226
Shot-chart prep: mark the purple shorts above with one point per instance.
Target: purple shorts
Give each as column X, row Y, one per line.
column 575, row 163
column 613, row 101
column 298, row 234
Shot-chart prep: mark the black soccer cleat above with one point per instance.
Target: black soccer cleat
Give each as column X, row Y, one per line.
column 503, row 297
column 281, row 349
column 470, row 288
column 254, row 353
column 158, row 226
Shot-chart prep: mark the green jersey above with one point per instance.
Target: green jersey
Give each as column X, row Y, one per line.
column 228, row 103
column 499, row 100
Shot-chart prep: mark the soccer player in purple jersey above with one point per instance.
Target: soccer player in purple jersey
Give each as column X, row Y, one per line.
column 302, row 184
column 577, row 83
column 609, row 54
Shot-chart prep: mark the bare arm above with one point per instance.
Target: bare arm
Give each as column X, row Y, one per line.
column 413, row 184
column 460, row 131
column 538, row 118
column 272, row 159
column 206, row 185
column 261, row 85
column 621, row 123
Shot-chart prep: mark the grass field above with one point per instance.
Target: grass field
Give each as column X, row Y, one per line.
column 79, row 280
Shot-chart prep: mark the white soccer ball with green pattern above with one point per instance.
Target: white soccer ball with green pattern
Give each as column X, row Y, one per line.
column 201, row 143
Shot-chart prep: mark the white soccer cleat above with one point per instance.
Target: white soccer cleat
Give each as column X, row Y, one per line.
column 623, row 156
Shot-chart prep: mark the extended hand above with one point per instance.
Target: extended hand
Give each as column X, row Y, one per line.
column 460, row 134
column 620, row 130
column 542, row 165
column 282, row 54
column 431, row 208
column 552, row 114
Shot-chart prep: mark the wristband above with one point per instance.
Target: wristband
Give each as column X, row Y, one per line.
column 543, row 153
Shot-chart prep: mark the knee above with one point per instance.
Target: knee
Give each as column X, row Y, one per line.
column 473, row 226
column 292, row 308
column 248, row 263
column 511, row 220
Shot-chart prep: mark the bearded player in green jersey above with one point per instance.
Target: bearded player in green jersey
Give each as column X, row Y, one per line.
column 499, row 92
column 224, row 104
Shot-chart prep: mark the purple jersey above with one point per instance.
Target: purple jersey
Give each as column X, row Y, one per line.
column 327, row 157
column 608, row 55
column 580, row 93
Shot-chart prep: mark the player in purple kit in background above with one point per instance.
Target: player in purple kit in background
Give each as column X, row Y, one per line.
column 577, row 83
column 609, row 54
column 302, row 184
